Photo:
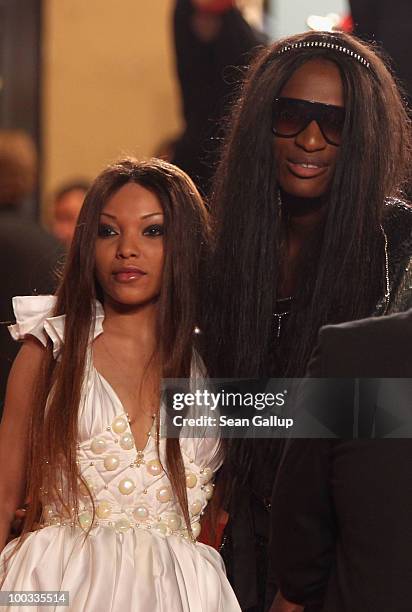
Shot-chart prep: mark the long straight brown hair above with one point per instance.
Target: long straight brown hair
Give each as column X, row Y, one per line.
column 53, row 434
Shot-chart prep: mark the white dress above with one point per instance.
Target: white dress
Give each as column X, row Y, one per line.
column 138, row 556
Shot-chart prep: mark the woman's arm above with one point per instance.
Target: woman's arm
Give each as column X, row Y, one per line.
column 14, row 430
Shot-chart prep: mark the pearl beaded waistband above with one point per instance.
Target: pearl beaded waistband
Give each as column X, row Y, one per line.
column 121, row 522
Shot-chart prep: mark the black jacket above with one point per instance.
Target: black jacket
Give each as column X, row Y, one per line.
column 341, row 509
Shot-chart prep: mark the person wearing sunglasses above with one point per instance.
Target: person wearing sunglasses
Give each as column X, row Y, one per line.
column 312, row 229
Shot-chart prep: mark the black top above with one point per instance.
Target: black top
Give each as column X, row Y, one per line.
column 28, row 258
column 341, row 509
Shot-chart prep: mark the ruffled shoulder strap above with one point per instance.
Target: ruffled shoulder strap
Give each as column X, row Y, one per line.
column 31, row 312
column 33, row 318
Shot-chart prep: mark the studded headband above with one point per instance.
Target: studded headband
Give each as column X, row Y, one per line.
column 326, row 45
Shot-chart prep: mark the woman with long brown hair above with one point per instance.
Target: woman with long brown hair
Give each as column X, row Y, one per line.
column 114, row 506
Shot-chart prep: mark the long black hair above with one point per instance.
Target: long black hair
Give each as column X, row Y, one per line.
column 343, row 274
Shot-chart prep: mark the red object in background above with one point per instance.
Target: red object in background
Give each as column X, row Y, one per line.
column 215, row 6
column 346, row 25
column 206, row 533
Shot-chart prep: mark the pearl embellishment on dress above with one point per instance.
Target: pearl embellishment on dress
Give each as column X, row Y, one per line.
column 206, row 475
column 126, row 441
column 103, row 510
column 111, row 462
column 153, row 467
column 164, row 494
column 140, row 513
column 191, row 481
column 208, row 489
column 174, row 521
column 85, row 520
column 196, row 529
column 162, row 527
column 196, row 507
column 119, row 425
column 98, row 446
column 126, row 486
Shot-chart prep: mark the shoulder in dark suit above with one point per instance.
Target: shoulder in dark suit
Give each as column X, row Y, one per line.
column 371, row 348
column 341, row 508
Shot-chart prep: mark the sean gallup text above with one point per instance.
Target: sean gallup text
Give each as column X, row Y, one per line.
column 257, row 420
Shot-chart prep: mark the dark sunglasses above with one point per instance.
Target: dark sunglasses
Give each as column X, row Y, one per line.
column 292, row 116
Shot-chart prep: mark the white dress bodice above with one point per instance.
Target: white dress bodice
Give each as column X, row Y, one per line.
column 138, row 554
column 130, row 488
